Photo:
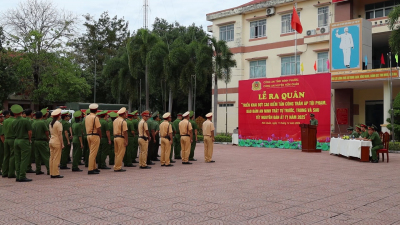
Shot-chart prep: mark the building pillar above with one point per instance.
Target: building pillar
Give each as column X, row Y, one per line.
column 386, row 104
column 343, row 11
column 343, row 100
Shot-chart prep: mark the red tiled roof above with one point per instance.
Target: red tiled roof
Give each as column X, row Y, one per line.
column 247, row 4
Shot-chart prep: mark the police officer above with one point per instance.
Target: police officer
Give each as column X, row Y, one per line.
column 65, row 117
column 93, row 130
column 166, row 140
column 1, row 140
column 373, row 136
column 121, row 141
column 155, row 134
column 364, row 132
column 111, row 153
column 313, row 121
column 193, row 145
column 85, row 141
column 22, row 129
column 177, row 136
column 185, row 129
column 41, row 143
column 131, row 136
column 135, row 122
column 144, row 138
column 105, row 141
column 56, row 143
column 208, row 133
column 9, row 156
column 77, row 141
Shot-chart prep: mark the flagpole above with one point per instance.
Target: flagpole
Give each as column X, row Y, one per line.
column 295, row 45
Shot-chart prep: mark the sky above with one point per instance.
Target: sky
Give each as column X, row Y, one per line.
column 185, row 12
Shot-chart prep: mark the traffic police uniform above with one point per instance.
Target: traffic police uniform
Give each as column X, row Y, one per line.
column 120, row 128
column 55, row 145
column 166, row 140
column 41, row 144
column 208, row 128
column 92, row 123
column 185, row 129
column 143, row 140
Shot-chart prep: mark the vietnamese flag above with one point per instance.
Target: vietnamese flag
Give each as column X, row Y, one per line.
column 383, row 60
column 315, row 66
column 296, row 24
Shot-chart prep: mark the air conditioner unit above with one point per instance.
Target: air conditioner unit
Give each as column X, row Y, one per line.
column 270, row 11
column 311, row 32
column 324, row 30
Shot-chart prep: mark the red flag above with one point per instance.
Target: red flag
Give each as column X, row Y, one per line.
column 315, row 66
column 296, row 24
column 383, row 60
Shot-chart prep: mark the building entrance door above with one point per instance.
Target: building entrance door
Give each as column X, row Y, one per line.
column 374, row 113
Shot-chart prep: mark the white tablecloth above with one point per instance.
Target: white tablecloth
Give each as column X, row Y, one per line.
column 235, row 139
column 348, row 147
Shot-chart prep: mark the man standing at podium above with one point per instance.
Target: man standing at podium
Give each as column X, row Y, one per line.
column 313, row 121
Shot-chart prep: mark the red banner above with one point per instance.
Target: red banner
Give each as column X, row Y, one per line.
column 336, row 1
column 273, row 108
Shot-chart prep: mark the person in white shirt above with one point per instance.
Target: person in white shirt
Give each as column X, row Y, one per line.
column 346, row 44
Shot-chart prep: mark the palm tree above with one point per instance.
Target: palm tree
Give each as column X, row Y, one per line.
column 223, row 63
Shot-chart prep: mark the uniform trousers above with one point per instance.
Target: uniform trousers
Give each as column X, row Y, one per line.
column 76, row 155
column 156, row 147
column 55, row 157
column 31, row 156
column 111, row 152
column 185, row 146
column 102, row 153
column 149, row 150
column 22, row 151
column 192, row 148
column 135, row 148
column 165, row 151
column 42, row 154
column 65, row 154
column 143, row 145
column 85, row 151
column 208, row 148
column 177, row 146
column 373, row 151
column 1, row 153
column 119, row 146
column 94, row 143
column 8, row 168
column 128, row 152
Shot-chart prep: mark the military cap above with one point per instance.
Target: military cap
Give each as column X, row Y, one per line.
column 191, row 113
column 155, row 114
column 16, row 109
column 44, row 111
column 65, row 113
column 132, row 114
column 186, row 114
column 358, row 127
column 93, row 106
column 101, row 113
column 56, row 112
column 350, row 128
column 135, row 113
column 312, row 115
column 146, row 113
column 209, row 115
column 363, row 125
column 87, row 111
column 121, row 111
column 372, row 127
column 77, row 114
column 179, row 114
column 113, row 114
column 166, row 115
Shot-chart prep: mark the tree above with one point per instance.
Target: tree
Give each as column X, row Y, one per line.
column 394, row 40
column 223, row 63
column 396, row 117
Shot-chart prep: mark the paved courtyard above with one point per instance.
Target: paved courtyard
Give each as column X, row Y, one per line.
column 244, row 186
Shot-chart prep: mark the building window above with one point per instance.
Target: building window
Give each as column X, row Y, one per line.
column 226, row 105
column 287, row 65
column 226, row 33
column 258, row 28
column 286, row 23
column 380, row 9
column 322, row 59
column 323, row 16
column 258, row 69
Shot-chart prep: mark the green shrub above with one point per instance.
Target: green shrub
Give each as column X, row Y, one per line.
column 200, row 138
column 223, row 138
column 394, row 146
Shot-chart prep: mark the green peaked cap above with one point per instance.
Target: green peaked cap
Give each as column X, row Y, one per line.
column 44, row 111
column 191, row 113
column 113, row 114
column 350, row 128
column 155, row 114
column 16, row 109
column 77, row 114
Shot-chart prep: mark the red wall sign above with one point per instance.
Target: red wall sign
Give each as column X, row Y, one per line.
column 342, row 116
column 275, row 107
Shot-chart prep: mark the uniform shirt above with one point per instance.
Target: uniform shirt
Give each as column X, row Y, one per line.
column 142, row 128
column 111, row 129
column 39, row 129
column 33, row 130
column 1, row 129
column 175, row 126
column 92, row 123
column 184, row 127
column 194, row 125
column 119, row 126
column 77, row 130
column 20, row 127
column 83, row 125
column 104, row 127
column 66, row 125
column 364, row 134
column 375, row 139
column 356, row 135
column 314, row 122
column 54, row 131
column 165, row 129
column 48, row 121
column 135, row 123
column 8, row 132
column 208, row 126
column 130, row 127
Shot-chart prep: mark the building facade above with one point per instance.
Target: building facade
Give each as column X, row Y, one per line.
column 259, row 34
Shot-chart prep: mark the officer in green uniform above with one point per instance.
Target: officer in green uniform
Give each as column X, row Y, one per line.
column 135, row 122
column 65, row 117
column 313, row 121
column 22, row 129
column 131, row 135
column 111, row 152
column 49, row 119
column 77, row 141
column 105, row 141
column 364, row 132
column 41, row 143
column 151, row 142
column 373, row 136
column 156, row 124
column 177, row 136
column 29, row 117
column 357, row 132
column 8, row 168
column 195, row 128
column 1, row 140
column 85, row 142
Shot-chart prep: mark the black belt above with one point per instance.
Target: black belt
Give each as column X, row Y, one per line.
column 143, row 137
column 94, row 134
column 118, row 136
column 186, row 135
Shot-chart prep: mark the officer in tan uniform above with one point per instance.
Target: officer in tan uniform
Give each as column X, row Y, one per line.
column 166, row 139
column 185, row 129
column 93, row 131
column 208, row 132
column 56, row 143
column 120, row 129
column 144, row 138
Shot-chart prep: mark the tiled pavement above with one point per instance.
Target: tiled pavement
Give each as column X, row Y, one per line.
column 244, row 186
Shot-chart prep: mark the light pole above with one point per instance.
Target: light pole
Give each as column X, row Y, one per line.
column 391, row 97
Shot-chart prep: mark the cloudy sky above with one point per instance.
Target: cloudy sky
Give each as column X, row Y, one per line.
column 185, row 12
